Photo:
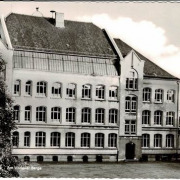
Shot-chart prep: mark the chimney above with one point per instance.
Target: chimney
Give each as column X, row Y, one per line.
column 59, row 20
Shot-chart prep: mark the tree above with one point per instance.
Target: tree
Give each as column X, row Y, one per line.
column 7, row 124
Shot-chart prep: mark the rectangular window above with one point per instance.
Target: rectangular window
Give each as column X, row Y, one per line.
column 130, row 127
column 170, row 96
column 17, row 87
column 113, row 90
column 86, row 91
column 41, row 114
column 56, row 90
column 146, row 117
column 40, row 139
column 170, row 141
column 85, row 140
column 170, row 118
column 71, row 91
column 99, row 140
column 157, row 140
column 41, row 89
column 132, row 83
column 146, row 95
column 158, row 95
column 100, row 114
column 27, row 139
column 130, row 104
column 112, row 140
column 145, row 140
column 27, row 113
column 113, row 116
column 100, row 91
column 86, row 115
column 55, row 114
column 158, row 116
column 55, row 139
column 70, row 115
column 28, row 88
column 70, row 140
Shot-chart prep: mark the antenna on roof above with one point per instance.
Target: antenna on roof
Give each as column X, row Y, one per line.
column 37, row 13
column 53, row 12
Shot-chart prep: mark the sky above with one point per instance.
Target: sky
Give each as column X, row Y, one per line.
column 152, row 28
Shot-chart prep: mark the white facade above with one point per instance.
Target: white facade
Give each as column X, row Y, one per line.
column 94, row 112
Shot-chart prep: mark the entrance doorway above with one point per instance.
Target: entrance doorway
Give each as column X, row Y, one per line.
column 130, row 150
column 85, row 158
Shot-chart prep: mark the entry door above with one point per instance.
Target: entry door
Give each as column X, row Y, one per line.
column 130, row 150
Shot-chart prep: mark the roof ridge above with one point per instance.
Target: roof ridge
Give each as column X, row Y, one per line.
column 47, row 17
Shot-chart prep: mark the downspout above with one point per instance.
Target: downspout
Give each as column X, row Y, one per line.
column 120, row 57
column 177, row 129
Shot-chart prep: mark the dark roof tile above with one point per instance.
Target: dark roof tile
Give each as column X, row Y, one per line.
column 150, row 68
column 38, row 33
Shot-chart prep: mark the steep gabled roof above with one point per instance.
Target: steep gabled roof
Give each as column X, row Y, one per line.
column 150, row 68
column 39, row 33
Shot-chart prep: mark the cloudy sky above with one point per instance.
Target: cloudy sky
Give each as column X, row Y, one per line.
column 152, row 28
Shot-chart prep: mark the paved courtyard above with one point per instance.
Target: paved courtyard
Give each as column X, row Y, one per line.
column 102, row 170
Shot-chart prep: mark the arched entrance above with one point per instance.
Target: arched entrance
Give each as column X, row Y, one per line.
column 69, row 158
column 85, row 158
column 130, row 150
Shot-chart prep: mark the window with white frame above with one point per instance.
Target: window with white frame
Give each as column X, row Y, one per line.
column 170, row 96
column 170, row 118
column 86, row 91
column 71, row 90
column 169, row 140
column 70, row 139
column 100, row 91
column 99, row 140
column 130, row 104
column 41, row 88
column 86, row 115
column 157, row 140
column 15, row 139
column 85, row 140
column 27, row 139
column 99, row 116
column 146, row 94
column 113, row 116
column 55, row 139
column 27, row 113
column 158, row 95
column 145, row 140
column 112, row 140
column 28, row 88
column 40, row 139
column 17, row 86
column 16, row 113
column 146, row 117
column 113, row 90
column 55, row 114
column 56, row 90
column 158, row 116
column 132, row 81
column 41, row 114
column 130, row 127
column 70, row 114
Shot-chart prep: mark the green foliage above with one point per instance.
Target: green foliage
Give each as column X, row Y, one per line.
column 7, row 124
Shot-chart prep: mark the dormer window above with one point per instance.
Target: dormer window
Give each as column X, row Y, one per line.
column 132, row 81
